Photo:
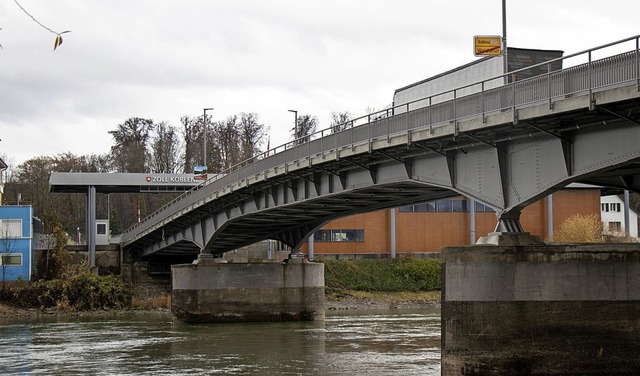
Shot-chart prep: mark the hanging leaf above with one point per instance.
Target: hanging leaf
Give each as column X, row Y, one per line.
column 58, row 40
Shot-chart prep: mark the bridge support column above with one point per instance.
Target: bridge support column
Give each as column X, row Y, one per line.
column 509, row 232
column 541, row 310
column 208, row 291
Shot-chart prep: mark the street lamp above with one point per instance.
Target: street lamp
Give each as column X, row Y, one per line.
column 504, row 38
column 295, row 124
column 204, row 136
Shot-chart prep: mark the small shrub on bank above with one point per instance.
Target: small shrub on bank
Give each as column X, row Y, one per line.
column 83, row 291
column 579, row 228
column 393, row 275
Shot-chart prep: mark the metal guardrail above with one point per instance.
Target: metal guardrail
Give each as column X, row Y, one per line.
column 430, row 112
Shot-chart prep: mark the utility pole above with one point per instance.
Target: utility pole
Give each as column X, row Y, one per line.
column 295, row 125
column 504, row 39
column 204, row 136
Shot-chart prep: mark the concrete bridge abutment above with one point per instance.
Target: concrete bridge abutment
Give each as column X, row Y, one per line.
column 545, row 309
column 212, row 291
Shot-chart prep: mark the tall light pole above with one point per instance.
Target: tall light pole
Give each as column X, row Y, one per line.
column 295, row 124
column 504, row 37
column 204, row 136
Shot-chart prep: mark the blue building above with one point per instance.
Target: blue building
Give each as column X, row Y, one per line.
column 16, row 234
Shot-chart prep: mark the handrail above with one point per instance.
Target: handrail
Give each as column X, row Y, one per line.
column 385, row 113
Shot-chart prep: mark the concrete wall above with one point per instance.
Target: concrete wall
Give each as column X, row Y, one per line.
column 224, row 292
column 552, row 310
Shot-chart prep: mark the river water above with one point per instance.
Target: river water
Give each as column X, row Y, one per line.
column 345, row 343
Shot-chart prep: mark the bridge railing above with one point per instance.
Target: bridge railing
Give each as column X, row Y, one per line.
column 497, row 94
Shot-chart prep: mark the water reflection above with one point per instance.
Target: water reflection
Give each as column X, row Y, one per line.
column 382, row 343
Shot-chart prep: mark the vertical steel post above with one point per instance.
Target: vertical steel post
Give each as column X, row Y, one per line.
column 91, row 225
column 392, row 232
column 591, row 103
column 472, row 220
column 627, row 222
column 505, row 52
column 204, row 136
column 637, row 64
column 550, row 217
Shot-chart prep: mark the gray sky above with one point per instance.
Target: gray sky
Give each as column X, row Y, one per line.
column 163, row 59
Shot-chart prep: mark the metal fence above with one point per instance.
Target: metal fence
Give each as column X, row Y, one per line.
column 589, row 77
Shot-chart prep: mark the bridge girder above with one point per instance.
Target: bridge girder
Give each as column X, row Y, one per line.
column 502, row 165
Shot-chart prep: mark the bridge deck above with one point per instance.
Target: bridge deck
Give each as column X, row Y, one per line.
column 468, row 145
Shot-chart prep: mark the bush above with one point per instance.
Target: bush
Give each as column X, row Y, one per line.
column 580, row 229
column 392, row 275
column 83, row 291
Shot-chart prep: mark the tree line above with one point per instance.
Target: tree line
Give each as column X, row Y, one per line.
column 143, row 146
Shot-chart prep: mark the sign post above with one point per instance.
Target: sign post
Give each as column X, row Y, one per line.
column 487, row 45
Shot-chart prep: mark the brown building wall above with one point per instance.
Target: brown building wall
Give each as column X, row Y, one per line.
column 428, row 232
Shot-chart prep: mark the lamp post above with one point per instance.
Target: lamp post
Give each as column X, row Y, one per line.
column 504, row 37
column 204, row 136
column 295, row 125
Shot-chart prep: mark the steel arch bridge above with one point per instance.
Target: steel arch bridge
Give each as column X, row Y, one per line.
column 506, row 147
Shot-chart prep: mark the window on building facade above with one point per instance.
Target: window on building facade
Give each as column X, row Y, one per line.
column 11, row 259
column 445, row 206
column 10, row 228
column 610, row 207
column 480, row 207
column 102, row 229
column 615, row 226
column 339, row 236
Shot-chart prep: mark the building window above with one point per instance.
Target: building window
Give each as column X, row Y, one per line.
column 610, row 207
column 339, row 236
column 480, row 207
column 102, row 229
column 10, row 228
column 459, row 206
column 445, row 206
column 11, row 259
column 615, row 226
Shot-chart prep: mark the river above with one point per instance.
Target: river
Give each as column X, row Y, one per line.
column 390, row 342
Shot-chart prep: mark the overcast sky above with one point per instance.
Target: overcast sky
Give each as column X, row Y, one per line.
column 163, row 59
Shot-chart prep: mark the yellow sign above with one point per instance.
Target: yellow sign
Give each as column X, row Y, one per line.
column 487, row 45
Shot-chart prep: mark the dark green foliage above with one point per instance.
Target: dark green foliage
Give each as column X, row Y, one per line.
column 83, row 291
column 392, row 275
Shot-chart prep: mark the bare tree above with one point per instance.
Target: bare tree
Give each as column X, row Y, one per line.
column 306, row 126
column 192, row 148
column 164, row 149
column 226, row 144
column 252, row 134
column 129, row 152
column 340, row 121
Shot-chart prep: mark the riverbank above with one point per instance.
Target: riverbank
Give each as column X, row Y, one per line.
column 361, row 300
column 334, row 300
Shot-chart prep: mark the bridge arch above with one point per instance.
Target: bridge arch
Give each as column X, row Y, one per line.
column 545, row 133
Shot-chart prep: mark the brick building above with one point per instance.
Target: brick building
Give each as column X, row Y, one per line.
column 426, row 227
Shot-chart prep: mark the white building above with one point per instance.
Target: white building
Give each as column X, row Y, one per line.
column 612, row 216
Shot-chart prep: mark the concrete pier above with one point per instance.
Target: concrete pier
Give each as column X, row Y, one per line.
column 227, row 292
column 541, row 310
